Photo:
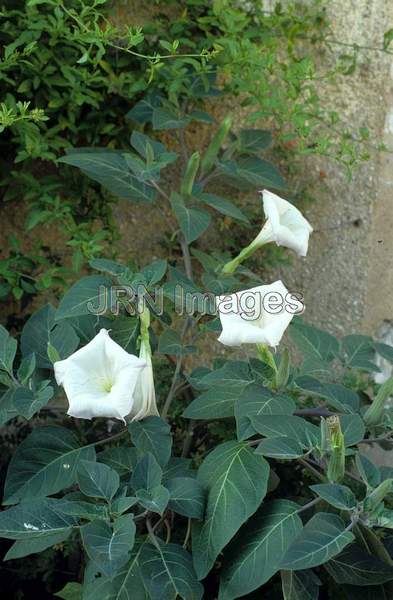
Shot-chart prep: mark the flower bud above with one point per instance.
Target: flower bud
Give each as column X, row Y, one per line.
column 374, row 413
column 336, row 460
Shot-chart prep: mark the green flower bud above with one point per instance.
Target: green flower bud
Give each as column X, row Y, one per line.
column 378, row 495
column 215, row 145
column 336, row 461
column 374, row 413
column 190, row 174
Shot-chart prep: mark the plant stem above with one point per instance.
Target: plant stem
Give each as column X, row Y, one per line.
column 312, row 469
column 308, row 505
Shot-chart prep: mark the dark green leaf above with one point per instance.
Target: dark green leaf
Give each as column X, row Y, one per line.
column 339, row 496
column 109, row 546
column 368, row 471
column 72, row 591
column 255, row 554
column 171, row 343
column 356, row 567
column 281, row 448
column 341, row 398
column 165, row 119
column 35, row 519
column 35, row 335
column 122, row 459
column 323, row 537
column 167, row 572
column 295, row 428
column 8, row 346
column 359, row 352
column 44, row 463
column 25, row 547
column 193, row 221
column 97, row 480
column 353, row 429
column 300, row 585
column 28, row 402
column 85, row 297
column 152, row 434
column 142, row 111
column 147, row 474
column 254, row 141
column 155, row 499
column 250, row 172
column 187, row 497
column 111, row 170
column 223, row 206
column 236, row 480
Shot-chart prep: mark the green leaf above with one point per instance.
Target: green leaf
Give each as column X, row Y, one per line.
column 35, row 519
column 8, row 348
column 165, row 119
column 147, row 474
column 193, row 221
column 155, row 499
column 187, row 497
column 121, row 459
column 353, row 429
column 300, row 585
column 281, row 448
column 140, row 142
column 255, row 554
column 85, row 297
column 323, row 537
column 142, row 111
column 257, row 400
column 155, row 271
column 7, row 408
column 26, row 368
column 72, row 591
column 170, row 343
column 28, row 403
column 314, row 343
column 368, row 471
column 111, row 170
column 254, row 141
column 216, row 403
column 97, row 480
column 296, row 428
column 250, row 171
column 384, row 350
column 167, row 572
column 339, row 496
column 356, row 567
column 40, row 330
column 359, row 352
column 125, row 332
column 21, row 548
column 152, row 434
column 109, row 546
column 236, row 480
column 338, row 396
column 128, row 584
column 43, row 464
column 223, row 206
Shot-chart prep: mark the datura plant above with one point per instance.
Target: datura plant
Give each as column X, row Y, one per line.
column 249, row 473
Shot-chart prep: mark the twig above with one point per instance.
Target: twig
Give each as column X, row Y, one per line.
column 308, row 505
column 188, row 533
column 173, row 387
column 313, row 412
column 312, row 469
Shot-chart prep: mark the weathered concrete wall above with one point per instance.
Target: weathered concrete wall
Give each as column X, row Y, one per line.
column 347, row 277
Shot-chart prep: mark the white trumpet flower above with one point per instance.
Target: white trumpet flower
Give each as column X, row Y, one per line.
column 259, row 315
column 144, row 394
column 285, row 225
column 99, row 379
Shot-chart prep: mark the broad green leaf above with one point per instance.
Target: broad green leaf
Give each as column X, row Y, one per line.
column 147, row 474
column 110, row 169
column 353, row 429
column 128, row 584
column 255, row 554
column 163, row 118
column 295, row 428
column 223, row 206
column 232, row 374
column 72, row 591
column 41, row 330
column 97, row 480
column 300, row 585
column 254, row 141
column 8, row 346
column 250, row 171
column 152, row 434
column 368, row 471
column 154, row 272
column 339, row 496
column 109, row 546
column 36, row 519
column 338, row 396
column 356, row 567
column 28, row 403
column 187, row 497
column 323, row 537
column 281, row 448
column 216, row 403
column 255, row 400
column 142, row 111
column 88, row 296
column 384, row 350
column 168, row 573
column 140, row 142
column 314, row 343
column 43, row 464
column 7, row 408
column 25, row 547
column 178, row 467
column 236, row 481
column 171, row 343
column 193, row 221
column 122, row 504
column 359, row 352
column 125, row 332
column 121, row 459
column 26, row 368
column 155, row 499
